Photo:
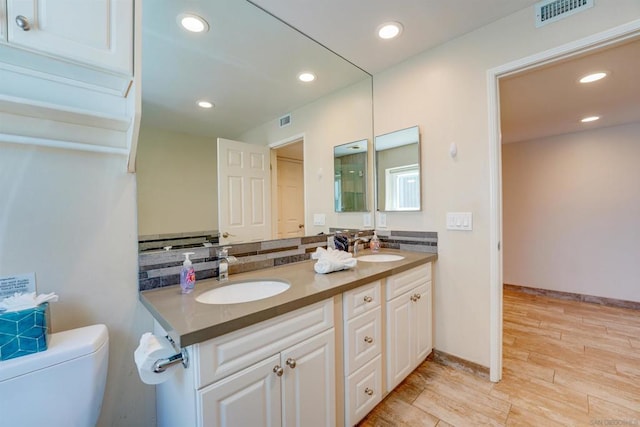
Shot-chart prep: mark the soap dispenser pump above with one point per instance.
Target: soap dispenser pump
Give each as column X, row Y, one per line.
column 187, row 274
column 374, row 243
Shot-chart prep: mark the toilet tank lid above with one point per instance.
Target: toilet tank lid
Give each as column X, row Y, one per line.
column 62, row 346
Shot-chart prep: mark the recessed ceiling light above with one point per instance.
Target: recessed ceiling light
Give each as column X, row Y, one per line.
column 389, row 30
column 193, row 23
column 594, row 77
column 205, row 104
column 306, row 77
column 590, row 119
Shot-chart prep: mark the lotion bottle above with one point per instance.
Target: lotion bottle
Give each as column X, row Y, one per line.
column 187, row 275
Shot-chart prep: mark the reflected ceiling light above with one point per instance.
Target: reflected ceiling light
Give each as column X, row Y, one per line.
column 205, row 104
column 389, row 30
column 590, row 119
column 193, row 23
column 594, row 77
column 306, row 77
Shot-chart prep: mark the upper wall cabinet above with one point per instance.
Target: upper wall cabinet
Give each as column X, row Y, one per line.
column 96, row 32
column 67, row 75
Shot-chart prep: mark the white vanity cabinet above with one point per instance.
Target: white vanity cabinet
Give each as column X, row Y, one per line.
column 408, row 322
column 277, row 372
column 362, row 315
column 98, row 33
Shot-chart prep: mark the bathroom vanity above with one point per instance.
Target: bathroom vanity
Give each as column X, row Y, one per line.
column 324, row 352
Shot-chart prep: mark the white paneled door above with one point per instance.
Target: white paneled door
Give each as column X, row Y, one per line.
column 244, row 203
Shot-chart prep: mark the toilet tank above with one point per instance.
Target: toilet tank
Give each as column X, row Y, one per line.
column 62, row 386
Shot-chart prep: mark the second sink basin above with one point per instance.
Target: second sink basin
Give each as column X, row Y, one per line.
column 380, row 258
column 240, row 292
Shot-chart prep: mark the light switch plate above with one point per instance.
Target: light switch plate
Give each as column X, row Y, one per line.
column 459, row 221
column 382, row 220
column 319, row 219
column 366, row 219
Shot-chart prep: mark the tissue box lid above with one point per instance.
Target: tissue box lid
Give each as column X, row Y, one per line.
column 62, row 347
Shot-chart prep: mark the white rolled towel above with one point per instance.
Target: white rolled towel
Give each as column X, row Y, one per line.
column 330, row 260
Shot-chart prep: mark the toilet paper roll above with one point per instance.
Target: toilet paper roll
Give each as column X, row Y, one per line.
column 150, row 349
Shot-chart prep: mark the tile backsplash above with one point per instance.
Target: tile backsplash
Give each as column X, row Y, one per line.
column 159, row 268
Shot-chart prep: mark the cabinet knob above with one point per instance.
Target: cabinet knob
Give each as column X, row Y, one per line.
column 23, row 23
column 368, row 340
column 412, row 298
column 417, row 296
column 278, row 370
column 291, row 363
column 368, row 391
column 367, row 298
column 226, row 235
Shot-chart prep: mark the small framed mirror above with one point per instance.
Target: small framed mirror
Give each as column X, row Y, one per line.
column 397, row 174
column 350, row 176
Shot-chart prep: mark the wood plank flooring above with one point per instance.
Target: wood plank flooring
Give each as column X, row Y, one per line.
column 565, row 363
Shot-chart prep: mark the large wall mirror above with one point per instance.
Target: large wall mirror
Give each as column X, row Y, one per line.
column 246, row 64
column 398, row 170
column 350, row 176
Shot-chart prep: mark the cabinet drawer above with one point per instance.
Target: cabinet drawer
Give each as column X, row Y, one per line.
column 361, row 300
column 400, row 283
column 364, row 391
column 227, row 354
column 362, row 340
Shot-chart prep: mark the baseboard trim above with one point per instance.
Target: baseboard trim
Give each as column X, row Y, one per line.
column 458, row 363
column 609, row 302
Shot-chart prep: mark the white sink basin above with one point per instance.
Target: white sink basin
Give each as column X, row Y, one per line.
column 243, row 292
column 380, row 258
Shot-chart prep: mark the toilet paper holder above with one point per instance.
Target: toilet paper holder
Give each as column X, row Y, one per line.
column 162, row 365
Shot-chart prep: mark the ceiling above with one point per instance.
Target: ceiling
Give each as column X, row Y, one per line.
column 549, row 100
column 234, row 64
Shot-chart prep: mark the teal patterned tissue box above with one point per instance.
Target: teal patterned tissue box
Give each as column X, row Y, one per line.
column 23, row 332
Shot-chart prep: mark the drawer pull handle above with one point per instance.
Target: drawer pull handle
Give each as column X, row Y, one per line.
column 368, row 391
column 23, row 23
column 417, row 296
column 291, row 363
column 367, row 298
column 368, row 340
column 278, row 370
column 412, row 298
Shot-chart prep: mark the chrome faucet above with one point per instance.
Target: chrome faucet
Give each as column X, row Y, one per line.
column 224, row 259
column 355, row 241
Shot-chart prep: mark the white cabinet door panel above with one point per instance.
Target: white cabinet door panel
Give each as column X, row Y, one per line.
column 248, row 398
column 364, row 391
column 308, row 394
column 362, row 340
column 399, row 344
column 95, row 32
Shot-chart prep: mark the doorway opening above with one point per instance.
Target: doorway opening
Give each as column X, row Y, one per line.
column 560, row 54
column 287, row 189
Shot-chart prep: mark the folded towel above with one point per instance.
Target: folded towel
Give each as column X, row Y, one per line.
column 332, row 260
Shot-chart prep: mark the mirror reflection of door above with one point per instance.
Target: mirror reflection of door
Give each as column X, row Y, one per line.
column 289, row 190
column 244, row 204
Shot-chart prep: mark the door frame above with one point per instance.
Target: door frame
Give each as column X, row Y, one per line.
column 300, row 137
column 586, row 44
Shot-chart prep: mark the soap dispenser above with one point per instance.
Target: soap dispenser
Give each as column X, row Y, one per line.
column 187, row 274
column 374, row 243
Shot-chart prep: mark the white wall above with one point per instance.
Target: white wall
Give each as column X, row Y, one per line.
column 342, row 117
column 177, row 182
column 70, row 217
column 571, row 206
column 444, row 91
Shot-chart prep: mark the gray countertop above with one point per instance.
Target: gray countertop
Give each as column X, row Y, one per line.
column 189, row 322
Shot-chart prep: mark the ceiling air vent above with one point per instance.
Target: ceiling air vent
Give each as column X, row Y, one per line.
column 285, row 120
column 552, row 10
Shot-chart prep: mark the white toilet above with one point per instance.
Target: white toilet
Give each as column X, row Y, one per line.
column 60, row 387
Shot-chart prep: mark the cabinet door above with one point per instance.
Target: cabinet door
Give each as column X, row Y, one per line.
column 308, row 394
column 251, row 397
column 423, row 327
column 399, row 344
column 95, row 32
